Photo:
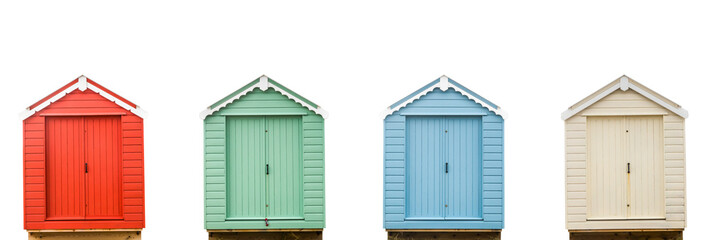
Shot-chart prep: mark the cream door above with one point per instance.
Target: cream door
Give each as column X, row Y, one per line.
column 646, row 198
column 625, row 168
column 606, row 177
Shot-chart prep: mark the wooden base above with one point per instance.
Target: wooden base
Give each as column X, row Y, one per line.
column 627, row 235
column 84, row 234
column 412, row 234
column 275, row 234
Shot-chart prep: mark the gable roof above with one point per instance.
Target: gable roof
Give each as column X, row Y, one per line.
column 624, row 83
column 263, row 83
column 82, row 83
column 444, row 83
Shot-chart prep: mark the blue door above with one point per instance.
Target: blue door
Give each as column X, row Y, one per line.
column 443, row 168
column 463, row 154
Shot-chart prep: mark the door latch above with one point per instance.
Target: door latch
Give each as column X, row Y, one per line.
column 267, row 169
column 266, row 220
column 86, row 167
column 447, row 167
column 628, row 167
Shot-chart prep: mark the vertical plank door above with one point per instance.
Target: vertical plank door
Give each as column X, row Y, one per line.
column 65, row 175
column 646, row 199
column 103, row 167
column 425, row 169
column 284, row 188
column 607, row 162
column 463, row 154
column 246, row 168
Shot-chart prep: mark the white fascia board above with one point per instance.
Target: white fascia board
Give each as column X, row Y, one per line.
column 79, row 85
column 571, row 112
column 263, row 84
column 680, row 111
column 624, row 86
column 444, row 85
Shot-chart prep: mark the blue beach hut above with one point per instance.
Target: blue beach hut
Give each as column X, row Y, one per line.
column 443, row 160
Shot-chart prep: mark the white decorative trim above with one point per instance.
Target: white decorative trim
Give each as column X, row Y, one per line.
column 82, row 83
column 624, row 83
column 263, row 85
column 444, row 85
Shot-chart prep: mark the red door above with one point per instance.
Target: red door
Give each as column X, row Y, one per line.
column 65, row 175
column 84, row 168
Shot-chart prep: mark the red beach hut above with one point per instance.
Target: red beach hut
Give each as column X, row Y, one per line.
column 83, row 161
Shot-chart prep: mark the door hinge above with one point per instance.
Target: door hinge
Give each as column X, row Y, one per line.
column 267, row 169
column 86, row 168
column 447, row 167
column 266, row 220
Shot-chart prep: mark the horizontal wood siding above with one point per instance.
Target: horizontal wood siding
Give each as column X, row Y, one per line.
column 86, row 103
column 442, row 103
column 264, row 103
column 628, row 103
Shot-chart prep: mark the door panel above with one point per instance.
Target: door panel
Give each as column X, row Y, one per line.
column 284, row 181
column 425, row 168
column 103, row 167
column 463, row 154
column 646, row 157
column 606, row 177
column 245, row 168
column 65, row 160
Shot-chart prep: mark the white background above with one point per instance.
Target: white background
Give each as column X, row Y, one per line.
column 533, row 58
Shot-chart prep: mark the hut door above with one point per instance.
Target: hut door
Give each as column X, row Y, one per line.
column 66, row 182
column 103, row 168
column 264, row 168
column 443, row 168
column 83, row 168
column 464, row 158
column 646, row 178
column 283, row 156
column 246, row 168
column 425, row 168
column 625, row 167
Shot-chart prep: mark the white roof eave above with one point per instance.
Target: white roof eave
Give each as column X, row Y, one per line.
column 82, row 85
column 624, row 85
column 264, row 84
column 444, row 85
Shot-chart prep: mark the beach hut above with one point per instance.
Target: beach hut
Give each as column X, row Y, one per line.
column 625, row 162
column 443, row 161
column 83, row 164
column 264, row 162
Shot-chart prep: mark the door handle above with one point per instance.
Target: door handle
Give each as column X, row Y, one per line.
column 267, row 169
column 447, row 167
column 628, row 167
column 86, row 168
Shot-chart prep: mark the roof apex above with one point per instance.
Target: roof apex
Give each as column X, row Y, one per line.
column 443, row 83
column 624, row 83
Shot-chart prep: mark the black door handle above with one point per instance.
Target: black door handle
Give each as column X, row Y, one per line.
column 267, row 169
column 447, row 167
column 86, row 168
column 628, row 167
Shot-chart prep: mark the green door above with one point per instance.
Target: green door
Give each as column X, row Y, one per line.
column 264, row 168
column 283, row 154
column 246, row 168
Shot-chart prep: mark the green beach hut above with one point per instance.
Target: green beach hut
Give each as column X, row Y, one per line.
column 264, row 160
